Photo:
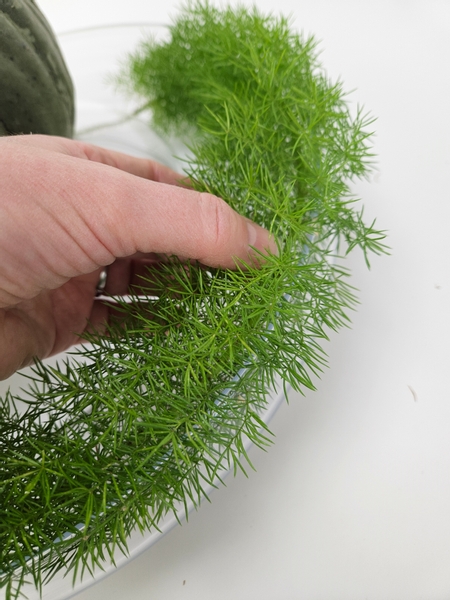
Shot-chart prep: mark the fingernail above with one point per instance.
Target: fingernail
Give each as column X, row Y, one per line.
column 261, row 239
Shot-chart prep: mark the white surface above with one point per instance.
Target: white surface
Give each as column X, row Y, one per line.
column 353, row 500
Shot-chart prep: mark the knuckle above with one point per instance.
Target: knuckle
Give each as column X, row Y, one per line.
column 216, row 220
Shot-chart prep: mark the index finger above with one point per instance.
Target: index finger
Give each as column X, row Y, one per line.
column 141, row 167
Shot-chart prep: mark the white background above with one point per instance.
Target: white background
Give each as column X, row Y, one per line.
column 353, row 499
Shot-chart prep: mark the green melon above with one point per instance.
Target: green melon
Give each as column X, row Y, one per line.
column 36, row 90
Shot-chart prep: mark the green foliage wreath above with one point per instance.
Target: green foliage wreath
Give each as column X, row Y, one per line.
column 151, row 414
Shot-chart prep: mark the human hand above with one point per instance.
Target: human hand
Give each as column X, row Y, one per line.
column 69, row 209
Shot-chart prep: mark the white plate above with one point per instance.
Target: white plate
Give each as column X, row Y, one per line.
column 93, row 57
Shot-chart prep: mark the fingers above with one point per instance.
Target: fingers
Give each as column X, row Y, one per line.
column 141, row 167
column 148, row 213
column 90, row 206
column 147, row 208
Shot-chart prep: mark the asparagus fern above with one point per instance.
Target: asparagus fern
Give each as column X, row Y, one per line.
column 151, row 414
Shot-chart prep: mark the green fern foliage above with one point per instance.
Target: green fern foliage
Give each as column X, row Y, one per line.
column 152, row 414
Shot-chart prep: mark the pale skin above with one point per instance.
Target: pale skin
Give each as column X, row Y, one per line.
column 67, row 210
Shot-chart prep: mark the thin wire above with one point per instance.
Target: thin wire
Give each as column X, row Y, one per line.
column 111, row 26
column 79, row 30
column 121, row 121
